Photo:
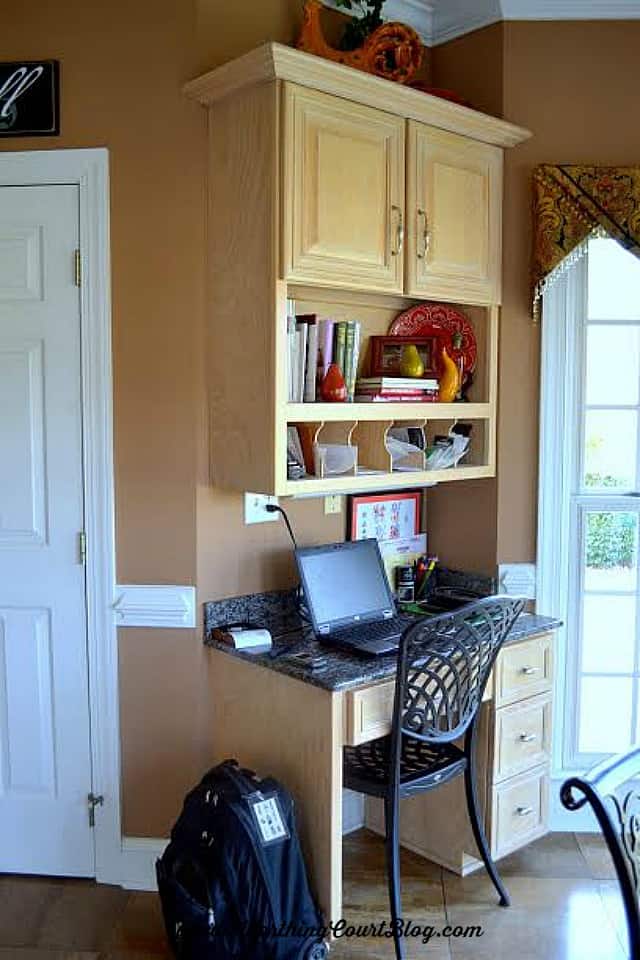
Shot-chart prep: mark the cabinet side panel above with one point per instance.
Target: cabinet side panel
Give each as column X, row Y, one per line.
column 242, row 303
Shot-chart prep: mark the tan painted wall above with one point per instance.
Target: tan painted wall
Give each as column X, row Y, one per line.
column 573, row 85
column 461, row 518
column 122, row 68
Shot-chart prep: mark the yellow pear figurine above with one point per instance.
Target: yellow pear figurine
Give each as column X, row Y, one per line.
column 449, row 379
column 410, row 363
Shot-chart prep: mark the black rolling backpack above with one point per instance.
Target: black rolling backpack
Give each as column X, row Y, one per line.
column 232, row 880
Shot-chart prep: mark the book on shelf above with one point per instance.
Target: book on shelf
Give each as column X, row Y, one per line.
column 339, row 344
column 301, row 356
column 313, row 344
column 397, row 390
column 423, row 397
column 325, row 347
column 351, row 357
column 401, row 384
column 291, row 350
column 310, row 362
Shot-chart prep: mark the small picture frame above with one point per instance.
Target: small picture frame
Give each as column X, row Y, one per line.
column 386, row 354
column 387, row 516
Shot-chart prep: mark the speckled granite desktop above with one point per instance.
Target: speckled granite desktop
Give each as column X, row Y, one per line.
column 333, row 669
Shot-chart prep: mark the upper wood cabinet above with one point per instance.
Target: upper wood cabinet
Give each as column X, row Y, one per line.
column 316, row 174
column 343, row 191
column 454, row 215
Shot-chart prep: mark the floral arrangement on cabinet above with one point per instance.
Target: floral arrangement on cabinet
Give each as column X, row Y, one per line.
column 390, row 50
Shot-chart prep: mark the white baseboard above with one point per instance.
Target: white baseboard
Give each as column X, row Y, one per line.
column 138, row 862
column 139, row 854
column 562, row 820
column 352, row 811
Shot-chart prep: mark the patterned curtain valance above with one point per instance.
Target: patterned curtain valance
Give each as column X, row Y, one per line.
column 572, row 203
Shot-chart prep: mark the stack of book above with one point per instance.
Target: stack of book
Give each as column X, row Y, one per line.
column 396, row 390
column 313, row 345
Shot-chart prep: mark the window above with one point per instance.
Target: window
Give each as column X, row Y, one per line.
column 589, row 523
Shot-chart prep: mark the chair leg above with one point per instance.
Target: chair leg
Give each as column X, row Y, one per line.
column 392, row 849
column 476, row 818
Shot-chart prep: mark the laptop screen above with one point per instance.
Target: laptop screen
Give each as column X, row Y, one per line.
column 344, row 583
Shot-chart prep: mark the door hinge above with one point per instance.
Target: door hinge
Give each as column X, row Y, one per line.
column 82, row 548
column 94, row 801
column 77, row 267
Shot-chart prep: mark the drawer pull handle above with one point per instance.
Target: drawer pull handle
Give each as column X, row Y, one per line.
column 528, row 671
column 527, row 737
column 524, row 811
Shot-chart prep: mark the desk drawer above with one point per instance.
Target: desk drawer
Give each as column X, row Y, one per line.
column 519, row 811
column 523, row 670
column 522, row 737
column 368, row 713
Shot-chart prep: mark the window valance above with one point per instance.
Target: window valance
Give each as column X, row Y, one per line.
column 572, row 203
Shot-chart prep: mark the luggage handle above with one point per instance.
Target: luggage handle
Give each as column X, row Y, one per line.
column 237, row 776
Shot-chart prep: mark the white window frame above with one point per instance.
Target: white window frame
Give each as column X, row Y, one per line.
column 562, row 504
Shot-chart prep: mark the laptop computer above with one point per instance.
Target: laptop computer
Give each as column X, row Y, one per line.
column 348, row 597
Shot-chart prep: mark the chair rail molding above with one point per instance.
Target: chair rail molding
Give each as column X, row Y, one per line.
column 155, row 606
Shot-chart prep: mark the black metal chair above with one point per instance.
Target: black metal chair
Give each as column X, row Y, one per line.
column 608, row 788
column 443, row 666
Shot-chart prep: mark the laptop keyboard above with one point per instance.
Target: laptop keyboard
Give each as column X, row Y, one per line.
column 370, row 636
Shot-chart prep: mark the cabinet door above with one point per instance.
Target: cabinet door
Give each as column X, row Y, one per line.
column 343, row 192
column 454, row 208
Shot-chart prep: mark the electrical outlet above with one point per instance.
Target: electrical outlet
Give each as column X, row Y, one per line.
column 333, row 503
column 254, row 508
column 518, row 579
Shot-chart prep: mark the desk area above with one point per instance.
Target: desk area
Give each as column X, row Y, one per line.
column 279, row 715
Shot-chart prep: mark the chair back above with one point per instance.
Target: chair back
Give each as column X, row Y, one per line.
column 614, row 797
column 444, row 665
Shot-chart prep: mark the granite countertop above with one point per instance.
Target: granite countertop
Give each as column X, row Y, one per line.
column 333, row 670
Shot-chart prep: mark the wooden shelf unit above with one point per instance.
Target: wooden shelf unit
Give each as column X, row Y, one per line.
column 288, row 219
column 315, row 412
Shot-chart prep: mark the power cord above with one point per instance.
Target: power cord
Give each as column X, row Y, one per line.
column 300, row 602
column 274, row 508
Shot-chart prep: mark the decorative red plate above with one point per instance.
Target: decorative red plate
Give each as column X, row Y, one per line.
column 441, row 321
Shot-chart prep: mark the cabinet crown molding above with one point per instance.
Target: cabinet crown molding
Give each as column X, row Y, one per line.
column 438, row 21
column 274, row 61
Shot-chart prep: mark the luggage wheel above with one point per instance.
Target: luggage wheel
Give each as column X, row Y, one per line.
column 317, row 951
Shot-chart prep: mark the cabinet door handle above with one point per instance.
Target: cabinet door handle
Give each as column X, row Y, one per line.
column 527, row 737
column 528, row 671
column 426, row 235
column 399, row 231
column 524, row 811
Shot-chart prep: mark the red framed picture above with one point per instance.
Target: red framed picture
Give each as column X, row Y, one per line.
column 386, row 354
column 387, row 516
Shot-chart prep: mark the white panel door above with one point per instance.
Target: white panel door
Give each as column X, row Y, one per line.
column 45, row 764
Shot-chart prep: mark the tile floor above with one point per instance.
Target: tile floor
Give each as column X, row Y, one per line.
column 565, row 907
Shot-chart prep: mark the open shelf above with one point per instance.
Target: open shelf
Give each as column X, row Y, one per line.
column 335, row 412
column 314, row 486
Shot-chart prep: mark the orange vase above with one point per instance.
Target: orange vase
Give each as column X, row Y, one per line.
column 333, row 389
